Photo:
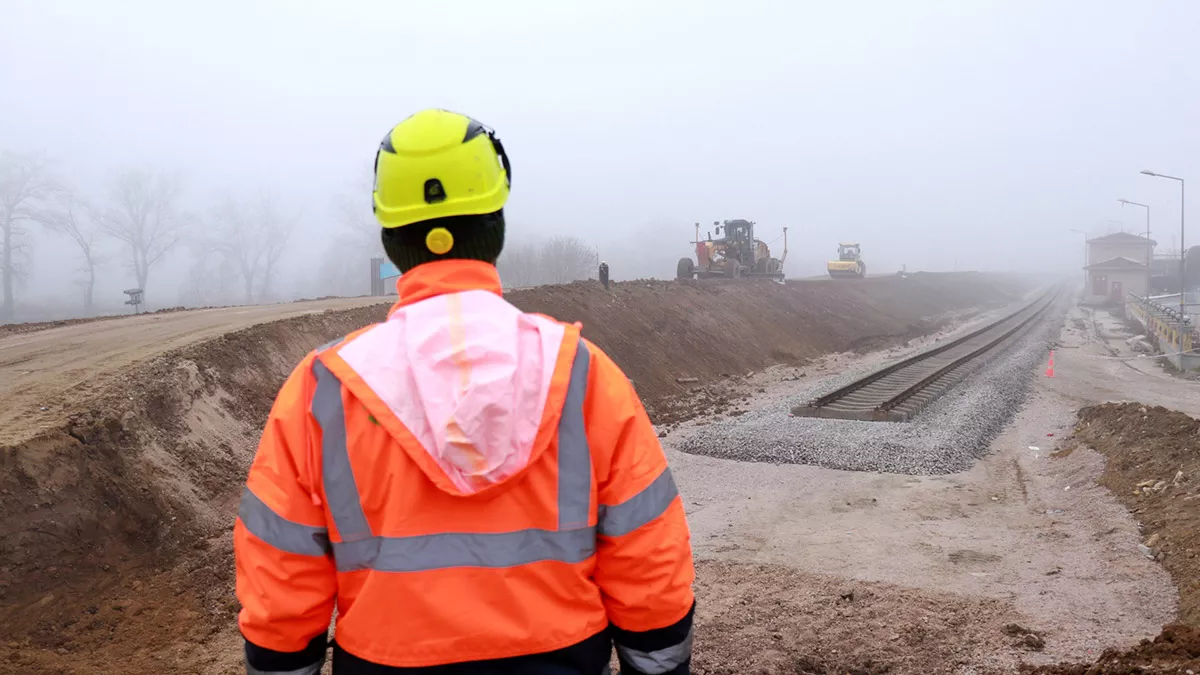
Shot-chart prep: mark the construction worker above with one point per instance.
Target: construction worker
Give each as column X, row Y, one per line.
column 473, row 488
column 604, row 274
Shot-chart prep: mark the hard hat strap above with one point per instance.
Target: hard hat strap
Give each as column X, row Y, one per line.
column 503, row 156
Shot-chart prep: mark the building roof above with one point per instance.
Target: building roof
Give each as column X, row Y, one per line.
column 1120, row 238
column 1118, row 263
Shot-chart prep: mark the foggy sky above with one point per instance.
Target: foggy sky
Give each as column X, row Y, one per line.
column 936, row 133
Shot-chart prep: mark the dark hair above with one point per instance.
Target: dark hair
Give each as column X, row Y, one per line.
column 475, row 238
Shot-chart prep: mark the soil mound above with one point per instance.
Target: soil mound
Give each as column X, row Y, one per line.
column 1153, row 469
column 1175, row 650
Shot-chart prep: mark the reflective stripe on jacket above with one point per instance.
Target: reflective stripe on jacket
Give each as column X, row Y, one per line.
column 445, row 524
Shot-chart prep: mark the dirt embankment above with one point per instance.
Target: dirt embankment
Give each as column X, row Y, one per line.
column 663, row 332
column 1153, row 468
column 115, row 553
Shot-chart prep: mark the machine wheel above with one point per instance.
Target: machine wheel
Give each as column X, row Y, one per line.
column 685, row 269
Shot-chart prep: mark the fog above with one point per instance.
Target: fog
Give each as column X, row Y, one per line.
column 941, row 135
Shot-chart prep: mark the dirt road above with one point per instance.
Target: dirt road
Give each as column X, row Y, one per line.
column 1097, row 366
column 38, row 369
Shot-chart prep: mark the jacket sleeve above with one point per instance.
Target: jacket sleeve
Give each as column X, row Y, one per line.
column 644, row 558
column 286, row 579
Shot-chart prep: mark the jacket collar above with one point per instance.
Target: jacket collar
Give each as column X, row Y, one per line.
column 445, row 276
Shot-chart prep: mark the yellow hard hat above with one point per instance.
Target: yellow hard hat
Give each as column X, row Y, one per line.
column 438, row 164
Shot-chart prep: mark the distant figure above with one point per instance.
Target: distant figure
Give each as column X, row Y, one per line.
column 604, row 274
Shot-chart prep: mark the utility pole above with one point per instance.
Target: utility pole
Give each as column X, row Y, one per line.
column 1085, row 260
column 1182, row 264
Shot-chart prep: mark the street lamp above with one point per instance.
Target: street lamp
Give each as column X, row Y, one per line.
column 1182, row 266
column 1149, row 246
column 1085, row 261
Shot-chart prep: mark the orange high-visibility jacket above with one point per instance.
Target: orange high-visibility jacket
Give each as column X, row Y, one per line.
column 463, row 482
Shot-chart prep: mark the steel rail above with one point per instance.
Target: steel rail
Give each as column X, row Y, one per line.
column 888, row 407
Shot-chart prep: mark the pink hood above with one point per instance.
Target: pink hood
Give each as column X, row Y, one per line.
column 468, row 374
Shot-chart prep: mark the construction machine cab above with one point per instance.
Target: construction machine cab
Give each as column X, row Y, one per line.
column 849, row 252
column 739, row 242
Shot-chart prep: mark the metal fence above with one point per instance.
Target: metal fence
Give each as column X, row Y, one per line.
column 1175, row 332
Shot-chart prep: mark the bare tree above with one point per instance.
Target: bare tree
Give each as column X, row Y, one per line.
column 280, row 233
column 518, row 265
column 146, row 216
column 210, row 280
column 345, row 267
column 566, row 259
column 252, row 236
column 72, row 216
column 558, row 260
column 24, row 180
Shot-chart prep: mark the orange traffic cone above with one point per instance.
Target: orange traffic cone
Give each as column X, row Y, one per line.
column 1050, row 365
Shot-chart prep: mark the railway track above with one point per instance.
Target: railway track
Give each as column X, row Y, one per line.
column 899, row 391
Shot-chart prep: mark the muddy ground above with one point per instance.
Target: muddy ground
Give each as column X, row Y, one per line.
column 127, row 440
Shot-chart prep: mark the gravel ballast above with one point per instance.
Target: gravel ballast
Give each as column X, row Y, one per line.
column 946, row 437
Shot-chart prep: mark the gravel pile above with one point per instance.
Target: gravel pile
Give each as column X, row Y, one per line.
column 944, row 438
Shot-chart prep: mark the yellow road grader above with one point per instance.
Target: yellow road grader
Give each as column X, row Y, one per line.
column 735, row 255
